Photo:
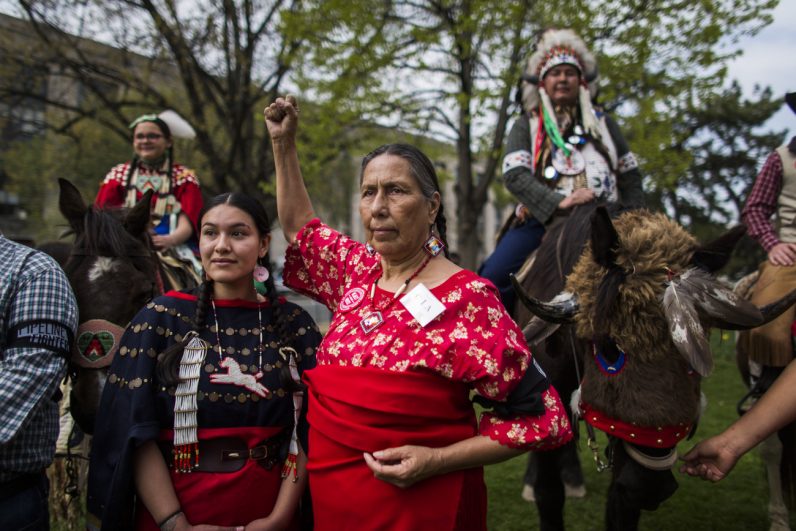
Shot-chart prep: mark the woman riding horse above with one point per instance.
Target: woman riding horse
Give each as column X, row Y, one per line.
column 176, row 201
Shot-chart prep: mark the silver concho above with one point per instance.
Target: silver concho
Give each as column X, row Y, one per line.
column 575, row 164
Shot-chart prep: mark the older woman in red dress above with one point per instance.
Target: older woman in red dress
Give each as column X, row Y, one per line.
column 394, row 439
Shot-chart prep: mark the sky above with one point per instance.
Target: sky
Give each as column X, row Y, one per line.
column 769, row 58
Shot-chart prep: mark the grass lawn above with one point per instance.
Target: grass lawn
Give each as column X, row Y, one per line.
column 738, row 502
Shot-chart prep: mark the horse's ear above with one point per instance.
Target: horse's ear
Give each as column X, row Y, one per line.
column 71, row 204
column 604, row 239
column 714, row 255
column 137, row 220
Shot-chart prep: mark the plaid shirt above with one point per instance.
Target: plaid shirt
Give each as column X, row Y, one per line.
column 38, row 318
column 762, row 203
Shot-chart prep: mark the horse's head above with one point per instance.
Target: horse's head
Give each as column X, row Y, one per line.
column 113, row 273
column 644, row 284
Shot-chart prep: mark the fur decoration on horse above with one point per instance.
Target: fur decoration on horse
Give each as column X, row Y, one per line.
column 647, row 245
column 628, row 288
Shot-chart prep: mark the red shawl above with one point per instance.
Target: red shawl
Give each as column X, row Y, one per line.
column 354, row 410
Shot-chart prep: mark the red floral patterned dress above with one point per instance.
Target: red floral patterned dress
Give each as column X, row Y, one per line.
column 473, row 341
column 403, row 383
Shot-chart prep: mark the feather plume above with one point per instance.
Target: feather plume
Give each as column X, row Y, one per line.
column 685, row 328
column 179, row 127
column 718, row 304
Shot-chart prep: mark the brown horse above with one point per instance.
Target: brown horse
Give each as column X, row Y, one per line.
column 631, row 300
column 113, row 272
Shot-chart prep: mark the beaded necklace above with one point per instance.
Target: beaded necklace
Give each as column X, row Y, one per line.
column 218, row 335
column 374, row 319
column 234, row 375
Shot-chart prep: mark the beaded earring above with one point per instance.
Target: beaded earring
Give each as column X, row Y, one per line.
column 261, row 275
column 369, row 248
column 433, row 245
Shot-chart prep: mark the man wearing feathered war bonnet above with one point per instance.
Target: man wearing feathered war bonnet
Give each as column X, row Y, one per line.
column 562, row 152
column 774, row 192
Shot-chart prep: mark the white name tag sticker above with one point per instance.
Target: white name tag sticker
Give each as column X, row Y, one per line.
column 422, row 304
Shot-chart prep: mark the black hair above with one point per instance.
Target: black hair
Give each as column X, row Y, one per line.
column 168, row 365
column 424, row 173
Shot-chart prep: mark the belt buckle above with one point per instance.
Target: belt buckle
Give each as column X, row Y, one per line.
column 258, row 452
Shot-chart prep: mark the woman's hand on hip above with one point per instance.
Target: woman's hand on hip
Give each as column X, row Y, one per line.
column 281, row 118
column 404, row 466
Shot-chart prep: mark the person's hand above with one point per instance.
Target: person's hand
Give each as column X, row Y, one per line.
column 181, row 523
column 521, row 212
column 281, row 118
column 711, row 459
column 266, row 524
column 162, row 242
column 782, row 254
column 581, row 196
column 404, row 466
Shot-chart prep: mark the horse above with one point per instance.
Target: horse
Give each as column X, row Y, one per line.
column 778, row 451
column 113, row 272
column 630, row 300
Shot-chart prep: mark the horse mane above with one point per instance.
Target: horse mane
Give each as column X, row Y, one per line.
column 561, row 248
column 558, row 253
column 104, row 234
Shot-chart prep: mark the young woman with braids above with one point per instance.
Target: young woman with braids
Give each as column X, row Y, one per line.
column 394, row 438
column 197, row 423
column 177, row 200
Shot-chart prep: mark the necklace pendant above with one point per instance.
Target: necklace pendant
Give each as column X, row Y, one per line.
column 371, row 322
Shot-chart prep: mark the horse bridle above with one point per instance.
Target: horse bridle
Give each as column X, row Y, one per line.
column 104, row 330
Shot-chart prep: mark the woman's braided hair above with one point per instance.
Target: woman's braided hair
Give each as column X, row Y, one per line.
column 168, row 364
column 422, row 170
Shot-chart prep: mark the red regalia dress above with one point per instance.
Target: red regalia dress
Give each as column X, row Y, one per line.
column 185, row 193
column 135, row 409
column 403, row 383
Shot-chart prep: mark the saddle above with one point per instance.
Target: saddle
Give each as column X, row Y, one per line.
column 179, row 268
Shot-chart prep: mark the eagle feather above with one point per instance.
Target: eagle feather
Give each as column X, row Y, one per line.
column 685, row 328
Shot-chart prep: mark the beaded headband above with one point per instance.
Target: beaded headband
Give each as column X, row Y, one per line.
column 559, row 56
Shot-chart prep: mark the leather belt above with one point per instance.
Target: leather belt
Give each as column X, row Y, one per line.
column 230, row 454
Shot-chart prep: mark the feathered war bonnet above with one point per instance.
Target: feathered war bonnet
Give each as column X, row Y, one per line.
column 556, row 47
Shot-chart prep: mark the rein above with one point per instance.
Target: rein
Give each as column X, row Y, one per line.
column 591, row 436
